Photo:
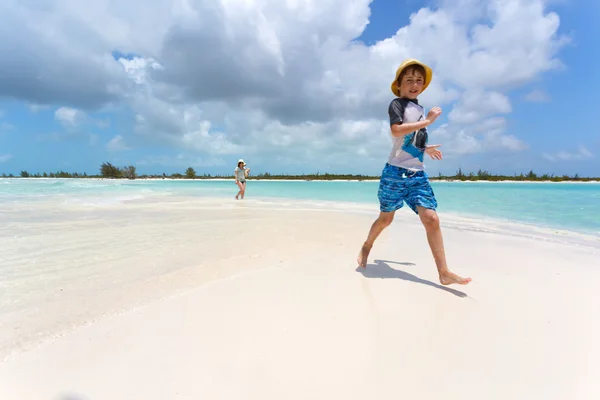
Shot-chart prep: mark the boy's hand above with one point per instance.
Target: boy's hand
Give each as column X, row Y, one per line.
column 434, row 152
column 433, row 114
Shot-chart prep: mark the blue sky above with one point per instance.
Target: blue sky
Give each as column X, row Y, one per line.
column 70, row 102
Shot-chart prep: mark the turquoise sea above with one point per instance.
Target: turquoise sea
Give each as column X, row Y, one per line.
column 565, row 206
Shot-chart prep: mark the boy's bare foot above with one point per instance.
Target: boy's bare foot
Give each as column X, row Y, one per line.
column 448, row 278
column 363, row 255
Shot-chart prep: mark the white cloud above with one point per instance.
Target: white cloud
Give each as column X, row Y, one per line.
column 488, row 135
column 70, row 117
column 351, row 88
column 138, row 67
column 117, row 143
column 182, row 161
column 5, row 157
column 537, row 96
column 76, row 123
column 283, row 81
column 495, row 124
column 35, row 108
column 473, row 106
column 581, row 153
column 503, row 141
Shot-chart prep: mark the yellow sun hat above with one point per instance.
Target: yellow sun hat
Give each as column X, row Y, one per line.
column 408, row 63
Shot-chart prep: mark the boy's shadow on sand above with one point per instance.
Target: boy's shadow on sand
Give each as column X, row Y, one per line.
column 382, row 270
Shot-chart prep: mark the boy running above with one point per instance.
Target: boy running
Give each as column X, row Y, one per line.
column 403, row 178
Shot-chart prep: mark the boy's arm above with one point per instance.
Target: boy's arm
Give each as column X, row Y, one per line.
column 397, row 125
column 433, row 151
column 398, row 128
column 404, row 129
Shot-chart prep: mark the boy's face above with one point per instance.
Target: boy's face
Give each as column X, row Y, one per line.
column 412, row 84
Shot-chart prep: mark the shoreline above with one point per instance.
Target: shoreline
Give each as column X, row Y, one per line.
column 472, row 220
column 298, row 180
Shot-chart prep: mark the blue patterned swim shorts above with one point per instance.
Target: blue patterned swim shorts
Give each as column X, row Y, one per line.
column 399, row 185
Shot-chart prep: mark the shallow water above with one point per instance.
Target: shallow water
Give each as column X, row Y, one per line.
column 568, row 206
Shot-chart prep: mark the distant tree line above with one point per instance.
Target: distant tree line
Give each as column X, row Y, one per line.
column 530, row 177
column 110, row 171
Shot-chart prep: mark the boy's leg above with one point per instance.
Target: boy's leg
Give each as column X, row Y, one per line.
column 431, row 222
column 421, row 199
column 391, row 195
column 382, row 222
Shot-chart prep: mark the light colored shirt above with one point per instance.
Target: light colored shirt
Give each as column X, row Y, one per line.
column 240, row 174
column 407, row 151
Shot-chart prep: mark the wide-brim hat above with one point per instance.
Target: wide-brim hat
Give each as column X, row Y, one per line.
column 241, row 161
column 407, row 63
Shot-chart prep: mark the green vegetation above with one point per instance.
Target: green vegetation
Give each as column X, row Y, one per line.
column 58, row 174
column 190, row 173
column 109, row 171
column 529, row 177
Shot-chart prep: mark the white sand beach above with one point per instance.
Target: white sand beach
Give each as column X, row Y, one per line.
column 217, row 299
